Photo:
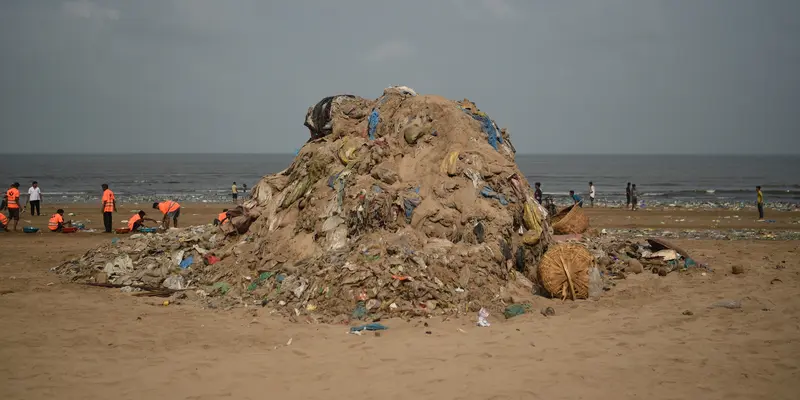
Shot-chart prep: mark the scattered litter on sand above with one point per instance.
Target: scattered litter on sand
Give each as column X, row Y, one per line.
column 407, row 205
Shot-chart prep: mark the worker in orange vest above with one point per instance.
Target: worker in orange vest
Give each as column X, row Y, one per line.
column 12, row 202
column 171, row 210
column 137, row 221
column 221, row 218
column 109, row 207
column 56, row 223
column 3, row 222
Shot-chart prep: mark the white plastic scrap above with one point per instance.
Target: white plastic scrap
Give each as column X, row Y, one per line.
column 483, row 314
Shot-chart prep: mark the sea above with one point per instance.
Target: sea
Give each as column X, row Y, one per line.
column 660, row 179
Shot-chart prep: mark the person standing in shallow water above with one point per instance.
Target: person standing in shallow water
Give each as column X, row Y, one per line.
column 537, row 194
column 591, row 194
column 628, row 196
column 235, row 193
column 634, row 198
column 760, row 203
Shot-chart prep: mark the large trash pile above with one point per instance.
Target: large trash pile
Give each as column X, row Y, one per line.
column 403, row 205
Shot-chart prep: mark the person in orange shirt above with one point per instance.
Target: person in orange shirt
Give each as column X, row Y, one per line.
column 171, row 210
column 12, row 202
column 109, row 207
column 3, row 222
column 221, row 218
column 137, row 221
column 56, row 223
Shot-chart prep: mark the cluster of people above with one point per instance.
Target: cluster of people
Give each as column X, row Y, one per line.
column 171, row 210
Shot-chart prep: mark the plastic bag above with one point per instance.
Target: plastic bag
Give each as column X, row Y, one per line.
column 483, row 314
column 595, row 283
column 449, row 164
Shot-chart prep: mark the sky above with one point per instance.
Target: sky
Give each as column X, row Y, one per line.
column 237, row 76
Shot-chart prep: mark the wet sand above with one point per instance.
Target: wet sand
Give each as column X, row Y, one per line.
column 61, row 340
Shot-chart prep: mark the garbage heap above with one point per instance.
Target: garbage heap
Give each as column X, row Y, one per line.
column 407, row 204
column 404, row 205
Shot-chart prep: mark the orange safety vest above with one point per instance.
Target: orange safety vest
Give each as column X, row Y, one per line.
column 54, row 221
column 13, row 198
column 134, row 219
column 222, row 217
column 108, row 201
column 168, row 207
column 3, row 219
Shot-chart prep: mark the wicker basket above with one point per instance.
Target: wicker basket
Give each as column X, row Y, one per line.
column 570, row 220
column 564, row 271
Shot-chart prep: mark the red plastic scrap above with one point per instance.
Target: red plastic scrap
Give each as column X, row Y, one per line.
column 211, row 259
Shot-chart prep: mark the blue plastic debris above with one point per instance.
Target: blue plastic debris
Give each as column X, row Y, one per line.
column 411, row 201
column 187, row 262
column 369, row 327
column 373, row 123
column 487, row 126
column 360, row 311
column 332, row 180
column 491, row 194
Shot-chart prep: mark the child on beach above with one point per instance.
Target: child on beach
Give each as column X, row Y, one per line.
column 591, row 194
column 634, row 198
column 577, row 199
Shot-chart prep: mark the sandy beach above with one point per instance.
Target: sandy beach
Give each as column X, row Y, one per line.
column 651, row 336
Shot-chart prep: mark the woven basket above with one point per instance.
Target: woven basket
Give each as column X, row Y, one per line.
column 570, row 220
column 564, row 271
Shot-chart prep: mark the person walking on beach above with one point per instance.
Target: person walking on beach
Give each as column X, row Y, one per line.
column 760, row 203
column 577, row 199
column 171, row 210
column 12, row 202
column 109, row 207
column 35, row 198
column 234, row 193
column 591, row 194
column 537, row 194
column 628, row 196
column 634, row 198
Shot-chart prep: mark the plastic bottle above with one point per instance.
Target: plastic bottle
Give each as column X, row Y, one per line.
column 595, row 283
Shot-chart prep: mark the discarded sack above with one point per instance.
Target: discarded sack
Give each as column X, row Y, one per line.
column 318, row 118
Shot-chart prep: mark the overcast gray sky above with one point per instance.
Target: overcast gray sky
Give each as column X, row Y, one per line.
column 593, row 76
